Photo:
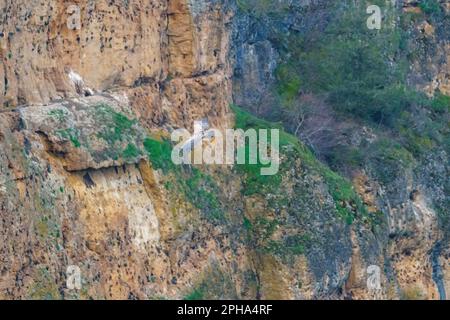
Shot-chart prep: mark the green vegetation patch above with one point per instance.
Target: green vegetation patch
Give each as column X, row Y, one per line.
column 440, row 103
column 119, row 132
column 71, row 134
column 160, row 154
column 117, row 126
column 198, row 188
column 348, row 204
column 59, row 114
column 361, row 74
column 131, row 151
column 255, row 182
column 110, row 134
column 349, row 64
column 430, row 7
column 390, row 160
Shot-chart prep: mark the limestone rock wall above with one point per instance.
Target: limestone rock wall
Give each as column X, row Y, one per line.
column 78, row 187
column 59, row 49
column 76, row 105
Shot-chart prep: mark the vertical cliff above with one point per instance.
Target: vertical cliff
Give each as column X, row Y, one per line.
column 371, row 105
column 83, row 84
column 91, row 90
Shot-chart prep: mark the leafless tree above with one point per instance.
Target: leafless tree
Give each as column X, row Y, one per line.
column 314, row 122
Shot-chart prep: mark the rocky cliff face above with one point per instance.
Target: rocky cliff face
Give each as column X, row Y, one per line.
column 86, row 180
column 81, row 88
column 410, row 194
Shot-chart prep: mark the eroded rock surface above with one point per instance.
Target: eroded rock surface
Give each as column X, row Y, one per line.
column 86, row 178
